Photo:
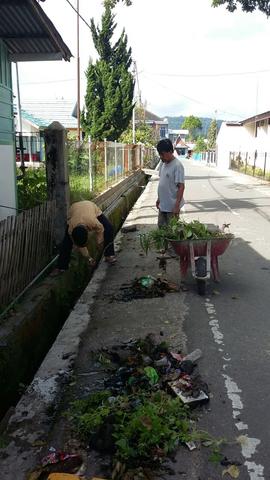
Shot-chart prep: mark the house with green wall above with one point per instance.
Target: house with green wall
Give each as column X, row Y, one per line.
column 7, row 147
column 26, row 34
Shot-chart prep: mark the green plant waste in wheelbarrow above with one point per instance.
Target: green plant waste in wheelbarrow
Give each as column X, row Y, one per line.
column 196, row 244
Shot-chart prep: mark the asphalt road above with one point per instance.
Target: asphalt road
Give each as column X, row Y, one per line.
column 231, row 323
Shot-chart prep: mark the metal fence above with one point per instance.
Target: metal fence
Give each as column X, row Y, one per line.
column 253, row 163
column 209, row 157
column 95, row 166
column 26, row 242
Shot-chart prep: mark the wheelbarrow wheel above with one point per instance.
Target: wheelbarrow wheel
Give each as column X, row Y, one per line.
column 201, row 286
column 201, row 271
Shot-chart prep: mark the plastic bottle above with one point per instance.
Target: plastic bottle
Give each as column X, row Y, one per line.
column 194, row 356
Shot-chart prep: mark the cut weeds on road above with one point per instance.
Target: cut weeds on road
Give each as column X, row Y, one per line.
column 137, row 418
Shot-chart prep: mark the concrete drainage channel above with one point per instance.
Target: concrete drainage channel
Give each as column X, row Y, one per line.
column 27, row 332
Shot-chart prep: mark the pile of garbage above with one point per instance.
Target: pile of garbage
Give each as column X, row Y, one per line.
column 145, row 287
column 143, row 412
column 146, row 363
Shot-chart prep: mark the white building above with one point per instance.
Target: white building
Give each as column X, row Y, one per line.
column 249, row 138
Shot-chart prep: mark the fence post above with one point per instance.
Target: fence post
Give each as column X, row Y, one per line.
column 57, row 176
column 254, row 164
column 115, row 160
column 123, row 160
column 105, row 162
column 246, row 162
column 264, row 168
column 129, row 150
column 90, row 164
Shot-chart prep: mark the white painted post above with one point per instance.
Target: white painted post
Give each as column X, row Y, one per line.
column 105, row 162
column 115, row 160
column 90, row 164
column 123, row 160
column 128, row 159
column 29, row 141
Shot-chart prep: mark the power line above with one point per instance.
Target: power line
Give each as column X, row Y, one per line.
column 49, row 81
column 192, row 99
column 81, row 17
column 200, row 75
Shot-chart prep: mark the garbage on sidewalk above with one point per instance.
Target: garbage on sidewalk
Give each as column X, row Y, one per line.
column 70, row 461
column 145, row 287
column 137, row 418
column 58, row 465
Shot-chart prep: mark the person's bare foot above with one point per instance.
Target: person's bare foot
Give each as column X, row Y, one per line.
column 91, row 262
column 111, row 259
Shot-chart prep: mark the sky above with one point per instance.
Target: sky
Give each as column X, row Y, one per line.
column 192, row 59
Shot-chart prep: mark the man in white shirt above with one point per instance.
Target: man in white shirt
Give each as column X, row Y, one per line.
column 171, row 183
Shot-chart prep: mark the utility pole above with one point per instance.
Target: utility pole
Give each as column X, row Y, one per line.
column 21, row 149
column 136, row 78
column 216, row 128
column 78, row 76
column 133, row 111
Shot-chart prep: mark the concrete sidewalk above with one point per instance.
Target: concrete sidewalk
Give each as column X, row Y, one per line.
column 96, row 321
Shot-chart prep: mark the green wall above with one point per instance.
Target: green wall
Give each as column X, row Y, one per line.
column 6, row 101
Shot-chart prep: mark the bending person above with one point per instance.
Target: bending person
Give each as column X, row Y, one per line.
column 85, row 217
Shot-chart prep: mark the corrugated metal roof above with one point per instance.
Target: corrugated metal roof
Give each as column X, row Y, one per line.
column 42, row 113
column 28, row 33
column 257, row 118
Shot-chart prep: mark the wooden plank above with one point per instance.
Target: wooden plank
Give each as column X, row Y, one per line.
column 21, row 232
column 27, row 235
column 10, row 271
column 17, row 253
column 50, row 228
column 6, row 258
column 38, row 261
column 43, row 238
column 34, row 222
column 3, row 226
column 42, row 241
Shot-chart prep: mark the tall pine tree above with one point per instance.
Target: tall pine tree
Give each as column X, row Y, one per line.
column 212, row 134
column 110, row 84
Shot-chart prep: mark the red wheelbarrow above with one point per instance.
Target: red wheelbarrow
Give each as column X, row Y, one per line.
column 202, row 255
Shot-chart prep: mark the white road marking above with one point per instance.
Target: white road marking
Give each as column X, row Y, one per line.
column 229, row 208
column 248, row 444
column 241, row 426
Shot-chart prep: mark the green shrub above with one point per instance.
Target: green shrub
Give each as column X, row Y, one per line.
column 31, row 188
column 177, row 229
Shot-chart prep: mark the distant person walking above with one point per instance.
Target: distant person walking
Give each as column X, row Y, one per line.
column 171, row 183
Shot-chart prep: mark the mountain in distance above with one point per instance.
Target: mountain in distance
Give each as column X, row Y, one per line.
column 176, row 122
